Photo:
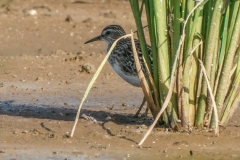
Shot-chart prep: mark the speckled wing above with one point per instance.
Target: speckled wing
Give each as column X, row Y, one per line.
column 126, row 57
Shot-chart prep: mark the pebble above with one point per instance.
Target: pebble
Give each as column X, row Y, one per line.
column 69, row 18
column 191, row 152
column 108, row 118
column 39, row 79
column 25, row 131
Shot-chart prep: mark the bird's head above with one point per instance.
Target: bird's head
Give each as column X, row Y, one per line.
column 109, row 34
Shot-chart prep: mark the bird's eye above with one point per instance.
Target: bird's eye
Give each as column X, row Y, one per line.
column 108, row 32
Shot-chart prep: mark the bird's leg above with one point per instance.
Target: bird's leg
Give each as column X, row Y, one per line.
column 140, row 108
column 146, row 112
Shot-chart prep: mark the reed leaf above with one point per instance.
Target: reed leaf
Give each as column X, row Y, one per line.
column 211, row 40
column 224, row 82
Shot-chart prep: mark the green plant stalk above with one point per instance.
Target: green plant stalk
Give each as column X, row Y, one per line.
column 224, row 80
column 175, row 32
column 183, row 13
column 194, row 76
column 176, row 26
column 212, row 82
column 230, row 100
column 233, row 17
column 177, row 21
column 160, row 11
column 208, row 12
column 224, row 37
column 190, row 29
column 238, row 63
column 141, row 36
column 223, row 49
column 152, row 32
column 137, row 16
column 190, row 72
column 162, row 44
column 220, row 63
column 235, row 105
column 210, row 44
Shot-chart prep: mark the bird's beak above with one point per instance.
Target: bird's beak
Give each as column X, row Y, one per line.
column 94, row 39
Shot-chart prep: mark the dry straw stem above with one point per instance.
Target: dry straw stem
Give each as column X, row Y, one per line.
column 156, row 96
column 93, row 80
column 173, row 77
column 143, row 81
column 212, row 97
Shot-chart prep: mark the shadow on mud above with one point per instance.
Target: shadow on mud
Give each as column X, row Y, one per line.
column 68, row 113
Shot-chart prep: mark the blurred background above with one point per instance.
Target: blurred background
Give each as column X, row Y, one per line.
column 36, row 27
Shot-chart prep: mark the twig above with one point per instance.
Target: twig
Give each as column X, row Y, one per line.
column 199, row 84
column 173, row 77
column 212, row 97
column 93, row 80
column 194, row 49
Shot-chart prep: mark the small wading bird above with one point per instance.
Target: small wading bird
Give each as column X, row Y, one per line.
column 122, row 58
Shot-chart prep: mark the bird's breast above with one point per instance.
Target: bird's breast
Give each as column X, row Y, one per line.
column 130, row 78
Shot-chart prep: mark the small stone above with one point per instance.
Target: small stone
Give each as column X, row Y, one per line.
column 88, row 20
column 13, row 86
column 54, row 152
column 69, row 18
column 191, row 152
column 39, row 79
column 2, row 151
column 81, row 53
column 25, row 131
column 109, row 14
column 96, row 155
column 87, row 67
column 32, row 12
column 124, row 104
column 108, row 118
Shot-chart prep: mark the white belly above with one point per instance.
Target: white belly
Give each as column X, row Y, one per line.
column 133, row 80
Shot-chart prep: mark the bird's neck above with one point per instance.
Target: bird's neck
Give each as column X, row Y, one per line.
column 109, row 45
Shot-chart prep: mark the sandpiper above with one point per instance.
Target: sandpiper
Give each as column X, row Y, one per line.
column 122, row 58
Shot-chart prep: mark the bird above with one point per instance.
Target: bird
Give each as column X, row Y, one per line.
column 122, row 58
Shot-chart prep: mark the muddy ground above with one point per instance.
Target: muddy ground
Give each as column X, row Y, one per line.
column 45, row 68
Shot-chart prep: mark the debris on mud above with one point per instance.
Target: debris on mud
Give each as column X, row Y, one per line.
column 88, row 118
column 88, row 68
